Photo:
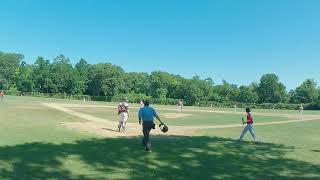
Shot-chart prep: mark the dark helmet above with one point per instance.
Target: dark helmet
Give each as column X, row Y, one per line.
column 163, row 128
column 146, row 102
column 248, row 110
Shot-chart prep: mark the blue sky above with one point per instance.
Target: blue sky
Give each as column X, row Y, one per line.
column 227, row 39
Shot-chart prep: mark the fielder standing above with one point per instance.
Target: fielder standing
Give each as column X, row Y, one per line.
column 180, row 106
column 249, row 126
column 300, row 111
column 146, row 117
column 123, row 111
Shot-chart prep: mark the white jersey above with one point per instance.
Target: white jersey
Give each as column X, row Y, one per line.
column 301, row 108
column 180, row 104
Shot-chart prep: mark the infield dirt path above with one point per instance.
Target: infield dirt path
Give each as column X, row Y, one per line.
column 105, row 127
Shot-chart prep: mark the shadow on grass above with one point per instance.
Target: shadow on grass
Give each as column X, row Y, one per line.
column 108, row 129
column 315, row 150
column 173, row 157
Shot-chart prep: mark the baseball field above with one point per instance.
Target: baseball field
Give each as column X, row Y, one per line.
column 63, row 139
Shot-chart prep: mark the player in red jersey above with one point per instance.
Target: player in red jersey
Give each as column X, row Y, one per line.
column 123, row 111
column 249, row 126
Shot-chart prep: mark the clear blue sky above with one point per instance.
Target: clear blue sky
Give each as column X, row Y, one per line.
column 227, row 39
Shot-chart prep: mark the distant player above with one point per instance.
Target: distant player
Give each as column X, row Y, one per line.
column 1, row 95
column 235, row 107
column 180, row 106
column 300, row 111
column 123, row 111
column 249, row 126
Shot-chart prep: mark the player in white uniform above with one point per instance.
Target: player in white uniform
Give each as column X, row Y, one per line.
column 123, row 111
column 300, row 111
column 180, row 106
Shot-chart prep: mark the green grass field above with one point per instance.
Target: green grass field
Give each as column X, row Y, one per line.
column 35, row 145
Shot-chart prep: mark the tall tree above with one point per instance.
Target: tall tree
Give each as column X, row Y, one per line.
column 307, row 92
column 106, row 79
column 270, row 90
column 247, row 94
column 24, row 78
column 226, row 92
column 62, row 75
column 137, row 83
column 81, row 76
column 41, row 76
column 9, row 66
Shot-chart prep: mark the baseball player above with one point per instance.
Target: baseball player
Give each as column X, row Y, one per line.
column 123, row 111
column 180, row 106
column 300, row 111
column 249, row 126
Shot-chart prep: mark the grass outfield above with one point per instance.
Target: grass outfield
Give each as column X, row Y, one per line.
column 34, row 145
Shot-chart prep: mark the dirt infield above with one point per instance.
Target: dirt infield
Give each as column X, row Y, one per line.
column 105, row 127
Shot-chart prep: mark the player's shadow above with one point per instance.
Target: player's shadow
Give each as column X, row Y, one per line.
column 315, row 150
column 173, row 157
column 108, row 129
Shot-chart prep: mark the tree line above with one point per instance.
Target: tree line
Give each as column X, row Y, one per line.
column 59, row 76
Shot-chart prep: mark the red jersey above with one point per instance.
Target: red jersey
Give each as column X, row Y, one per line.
column 1, row 93
column 249, row 119
column 122, row 108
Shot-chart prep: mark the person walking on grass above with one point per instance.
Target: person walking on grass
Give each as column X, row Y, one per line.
column 249, row 126
column 146, row 117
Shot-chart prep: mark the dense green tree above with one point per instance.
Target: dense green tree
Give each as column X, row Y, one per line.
column 3, row 84
column 109, row 80
column 247, row 94
column 106, row 80
column 270, row 90
column 62, row 75
column 41, row 76
column 24, row 78
column 226, row 92
column 307, row 92
column 137, row 83
column 9, row 67
column 81, row 75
